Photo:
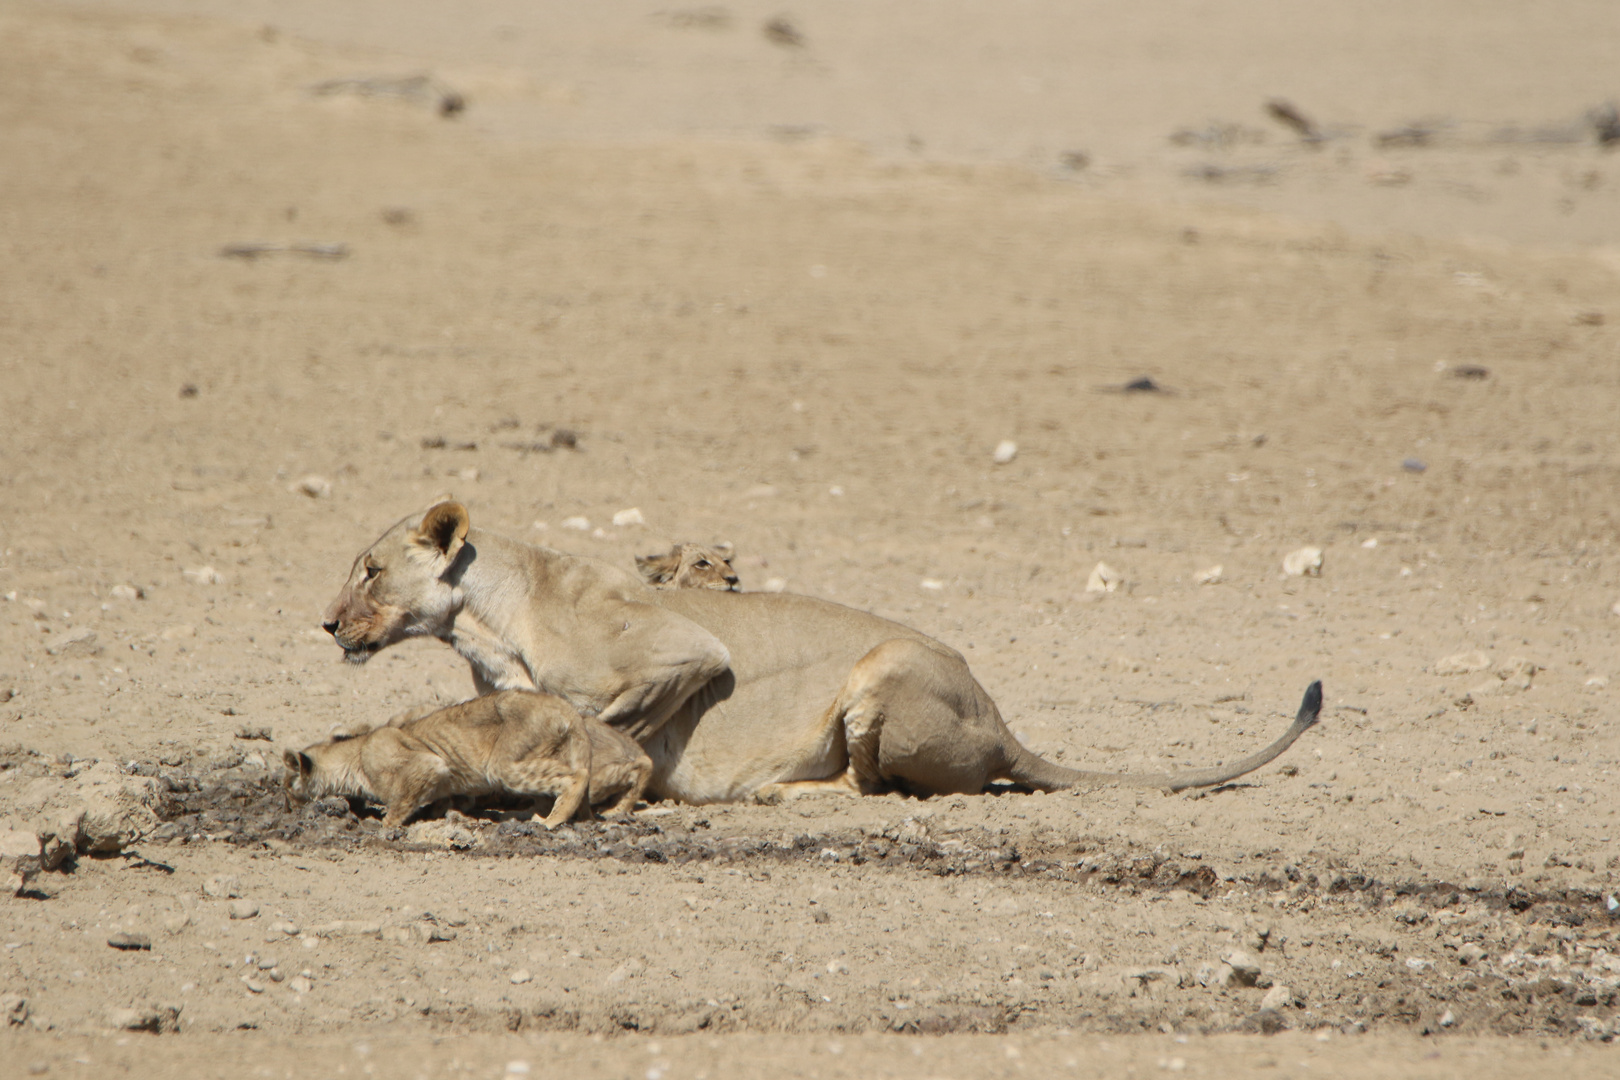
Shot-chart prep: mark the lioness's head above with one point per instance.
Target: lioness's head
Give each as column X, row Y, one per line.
column 401, row 586
column 691, row 566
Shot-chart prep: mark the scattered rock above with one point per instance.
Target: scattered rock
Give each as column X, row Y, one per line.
column 1448, row 1018
column 20, row 860
column 254, row 985
column 290, row 929
column 1413, row 464
column 1264, row 1022
column 1306, row 562
column 203, row 575
column 631, row 516
column 580, row 524
column 96, row 810
column 15, row 1009
column 1244, row 966
column 222, row 887
column 244, row 909
column 1470, row 371
column 1463, row 663
column 1104, row 578
column 346, row 928
column 440, row 834
column 1005, row 451
column 1278, row 997
column 627, row 970
column 931, row 584
column 160, row 1019
column 1470, row 953
column 252, row 734
column 1142, row 385
column 837, row 967
column 315, row 487
column 1211, row 576
column 127, row 592
column 74, row 641
column 521, row 976
column 417, row 933
column 130, row 942
column 300, row 984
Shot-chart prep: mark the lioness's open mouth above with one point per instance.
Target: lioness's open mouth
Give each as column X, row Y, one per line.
column 359, row 654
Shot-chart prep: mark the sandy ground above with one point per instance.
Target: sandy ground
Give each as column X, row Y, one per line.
column 799, row 332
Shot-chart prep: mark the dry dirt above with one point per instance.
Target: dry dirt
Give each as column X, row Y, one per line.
column 810, row 345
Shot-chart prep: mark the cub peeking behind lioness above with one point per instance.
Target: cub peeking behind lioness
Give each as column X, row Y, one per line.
column 515, row 742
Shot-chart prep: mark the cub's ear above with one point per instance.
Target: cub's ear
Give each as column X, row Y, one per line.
column 656, row 569
column 297, row 761
column 444, row 528
column 725, row 550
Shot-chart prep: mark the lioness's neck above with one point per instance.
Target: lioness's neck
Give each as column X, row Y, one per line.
column 495, row 611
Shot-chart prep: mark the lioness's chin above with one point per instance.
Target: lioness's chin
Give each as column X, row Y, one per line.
column 359, row 654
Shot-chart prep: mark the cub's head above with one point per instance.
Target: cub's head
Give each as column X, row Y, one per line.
column 400, row 586
column 691, row 566
column 327, row 768
column 300, row 781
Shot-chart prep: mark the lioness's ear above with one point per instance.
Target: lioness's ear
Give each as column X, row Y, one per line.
column 655, row 569
column 445, row 528
column 297, row 761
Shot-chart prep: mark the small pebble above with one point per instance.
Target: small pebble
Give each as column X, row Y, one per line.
column 222, row 886
column 1448, row 1018
column 631, row 516
column 299, row 984
column 254, row 985
column 521, row 976
column 1278, row 997
column 244, row 909
column 1006, row 450
column 127, row 592
column 579, row 524
column 1104, row 578
column 837, row 967
column 290, row 929
column 932, row 584
column 203, row 575
column 316, row 487
column 1413, row 464
column 1305, row 562
column 1211, row 576
column 130, row 941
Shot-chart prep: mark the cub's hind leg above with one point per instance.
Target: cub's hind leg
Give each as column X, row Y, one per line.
column 560, row 768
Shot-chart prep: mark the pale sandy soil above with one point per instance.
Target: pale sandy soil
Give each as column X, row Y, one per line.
column 810, row 346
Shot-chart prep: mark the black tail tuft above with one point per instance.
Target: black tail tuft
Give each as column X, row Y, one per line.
column 1311, row 707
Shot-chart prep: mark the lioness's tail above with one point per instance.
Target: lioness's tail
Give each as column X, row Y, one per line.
column 1026, row 768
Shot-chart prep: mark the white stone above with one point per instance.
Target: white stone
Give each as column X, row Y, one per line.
column 316, row 487
column 1306, row 562
column 579, row 524
column 74, row 641
column 126, row 592
column 203, row 575
column 932, row 584
column 521, row 976
column 1104, row 578
column 632, row 516
column 1463, row 663
column 1211, row 576
column 1006, row 450
column 1278, row 997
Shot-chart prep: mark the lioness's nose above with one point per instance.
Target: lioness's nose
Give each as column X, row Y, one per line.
column 330, row 627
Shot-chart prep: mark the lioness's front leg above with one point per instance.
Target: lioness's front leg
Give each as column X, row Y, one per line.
column 660, row 659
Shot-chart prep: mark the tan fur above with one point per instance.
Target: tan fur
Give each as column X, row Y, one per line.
column 733, row 695
column 691, row 566
column 515, row 742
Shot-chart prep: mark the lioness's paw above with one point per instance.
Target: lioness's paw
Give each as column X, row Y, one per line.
column 771, row 795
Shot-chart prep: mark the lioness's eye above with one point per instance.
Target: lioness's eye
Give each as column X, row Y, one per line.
column 372, row 571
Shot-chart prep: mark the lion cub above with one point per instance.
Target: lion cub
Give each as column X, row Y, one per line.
column 691, row 566
column 513, row 741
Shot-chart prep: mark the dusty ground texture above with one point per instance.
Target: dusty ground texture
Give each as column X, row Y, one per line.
column 811, row 350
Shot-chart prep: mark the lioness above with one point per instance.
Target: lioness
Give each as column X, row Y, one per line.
column 514, row 741
column 691, row 566
column 733, row 695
